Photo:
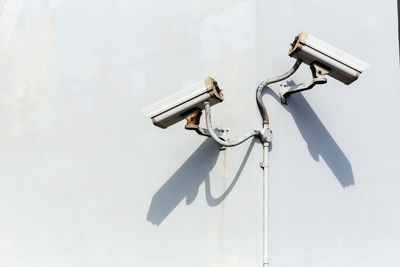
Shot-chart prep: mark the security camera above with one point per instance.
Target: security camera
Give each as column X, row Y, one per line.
column 184, row 103
column 189, row 103
column 328, row 59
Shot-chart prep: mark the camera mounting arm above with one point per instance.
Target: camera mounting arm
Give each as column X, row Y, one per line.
column 193, row 121
column 318, row 74
column 219, row 135
column 264, row 84
column 214, row 136
column 284, row 91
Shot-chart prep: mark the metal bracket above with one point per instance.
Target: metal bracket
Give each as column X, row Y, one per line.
column 318, row 74
column 193, row 122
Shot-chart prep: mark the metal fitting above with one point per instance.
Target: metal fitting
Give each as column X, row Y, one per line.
column 266, row 135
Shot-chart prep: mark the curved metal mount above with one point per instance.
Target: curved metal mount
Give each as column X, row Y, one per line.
column 219, row 135
column 318, row 74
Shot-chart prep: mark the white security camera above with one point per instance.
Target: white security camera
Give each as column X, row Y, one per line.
column 328, row 59
column 184, row 103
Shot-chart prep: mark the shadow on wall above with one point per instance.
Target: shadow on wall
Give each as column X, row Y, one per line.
column 317, row 137
column 185, row 182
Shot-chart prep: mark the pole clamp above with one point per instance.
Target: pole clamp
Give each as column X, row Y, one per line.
column 266, row 135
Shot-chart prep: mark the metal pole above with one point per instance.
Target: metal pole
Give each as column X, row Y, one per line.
column 265, row 205
column 266, row 137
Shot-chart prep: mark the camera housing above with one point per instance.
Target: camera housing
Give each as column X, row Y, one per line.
column 337, row 63
column 184, row 103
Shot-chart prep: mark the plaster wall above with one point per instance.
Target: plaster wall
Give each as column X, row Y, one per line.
column 87, row 180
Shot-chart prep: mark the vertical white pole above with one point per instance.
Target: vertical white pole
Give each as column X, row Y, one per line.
column 265, row 205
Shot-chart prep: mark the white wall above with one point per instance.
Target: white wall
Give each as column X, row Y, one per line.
column 86, row 180
column 337, row 203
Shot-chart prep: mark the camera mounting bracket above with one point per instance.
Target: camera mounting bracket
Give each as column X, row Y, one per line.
column 318, row 74
column 193, row 123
